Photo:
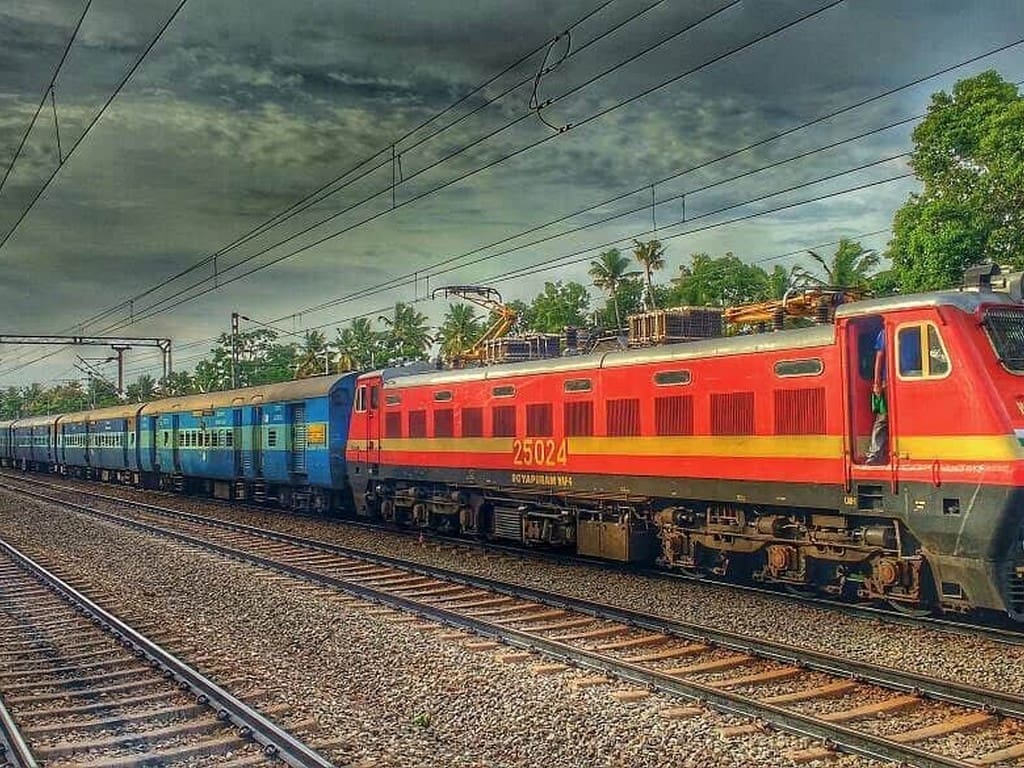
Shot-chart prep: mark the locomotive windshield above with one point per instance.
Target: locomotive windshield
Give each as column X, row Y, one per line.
column 1005, row 329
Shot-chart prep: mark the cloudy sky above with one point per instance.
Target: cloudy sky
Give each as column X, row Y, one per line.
column 245, row 107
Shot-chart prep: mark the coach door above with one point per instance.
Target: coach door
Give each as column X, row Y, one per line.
column 236, row 439
column 299, row 439
column 257, row 440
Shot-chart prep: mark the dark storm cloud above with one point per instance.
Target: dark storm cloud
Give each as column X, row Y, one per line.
column 246, row 106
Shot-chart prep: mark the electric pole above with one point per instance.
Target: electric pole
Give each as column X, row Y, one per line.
column 234, row 350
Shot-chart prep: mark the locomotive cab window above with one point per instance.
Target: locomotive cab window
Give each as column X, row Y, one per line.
column 506, row 390
column 443, row 396
column 920, row 352
column 360, row 399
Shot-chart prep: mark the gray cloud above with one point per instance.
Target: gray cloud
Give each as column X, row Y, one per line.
column 245, row 106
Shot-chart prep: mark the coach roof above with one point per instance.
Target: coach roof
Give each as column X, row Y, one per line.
column 289, row 391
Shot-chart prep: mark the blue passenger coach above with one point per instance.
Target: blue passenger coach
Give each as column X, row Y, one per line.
column 279, row 441
column 33, row 442
column 6, row 456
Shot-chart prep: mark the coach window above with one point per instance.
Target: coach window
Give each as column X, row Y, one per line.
column 920, row 352
column 361, row 399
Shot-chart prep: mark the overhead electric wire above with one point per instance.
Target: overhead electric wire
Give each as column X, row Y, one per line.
column 46, row 92
column 774, row 137
column 575, row 257
column 380, row 310
column 431, row 268
column 388, row 188
column 300, row 204
column 95, row 120
column 157, row 309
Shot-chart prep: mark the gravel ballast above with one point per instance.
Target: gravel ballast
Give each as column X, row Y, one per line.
column 383, row 693
column 963, row 658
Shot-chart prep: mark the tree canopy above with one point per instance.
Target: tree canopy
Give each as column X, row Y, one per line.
column 969, row 155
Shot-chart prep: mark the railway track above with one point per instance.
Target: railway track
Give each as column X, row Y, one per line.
column 994, row 630
column 855, row 706
column 81, row 688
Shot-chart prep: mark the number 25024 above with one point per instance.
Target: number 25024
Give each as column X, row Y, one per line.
column 539, row 453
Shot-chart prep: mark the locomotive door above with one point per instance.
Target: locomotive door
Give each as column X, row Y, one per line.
column 373, row 427
column 861, row 406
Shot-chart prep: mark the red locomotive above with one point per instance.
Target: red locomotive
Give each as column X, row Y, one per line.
column 743, row 455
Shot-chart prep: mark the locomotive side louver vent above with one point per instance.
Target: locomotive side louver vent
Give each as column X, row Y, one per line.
column 538, row 420
column 579, row 419
column 800, row 411
column 472, row 422
column 444, row 422
column 393, row 424
column 623, row 417
column 504, row 417
column 673, row 415
column 417, row 423
column 732, row 414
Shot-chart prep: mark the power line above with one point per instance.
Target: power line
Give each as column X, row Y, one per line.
column 96, row 119
column 316, row 195
column 48, row 91
column 431, row 269
column 157, row 309
column 573, row 257
column 383, row 191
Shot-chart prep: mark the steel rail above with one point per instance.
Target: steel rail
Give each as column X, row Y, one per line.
column 860, row 742
column 275, row 741
column 14, row 750
column 997, row 634
column 889, row 677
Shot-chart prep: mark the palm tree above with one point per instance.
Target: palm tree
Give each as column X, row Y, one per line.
column 651, row 256
column 358, row 346
column 409, row 338
column 608, row 272
column 851, row 266
column 459, row 331
column 314, row 356
column 781, row 282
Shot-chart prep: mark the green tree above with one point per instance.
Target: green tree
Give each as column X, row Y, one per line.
column 459, row 330
column 718, row 282
column 176, row 384
column 782, row 282
column 609, row 272
column 651, row 256
column 141, row 390
column 261, row 360
column 408, row 337
column 560, row 305
column 358, row 347
column 850, row 267
column 969, row 155
column 313, row 357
